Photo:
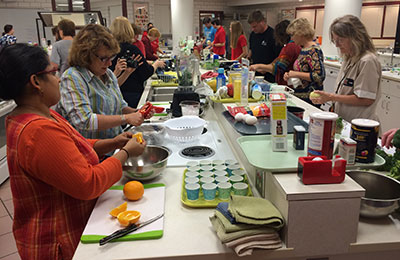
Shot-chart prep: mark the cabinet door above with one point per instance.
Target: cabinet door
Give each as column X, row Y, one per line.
column 389, row 29
column 371, row 16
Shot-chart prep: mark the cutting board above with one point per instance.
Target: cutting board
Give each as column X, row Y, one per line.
column 262, row 127
column 102, row 224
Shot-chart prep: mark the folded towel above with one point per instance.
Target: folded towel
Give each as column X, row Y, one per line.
column 228, row 227
column 273, row 238
column 247, row 248
column 226, row 237
column 223, row 208
column 257, row 211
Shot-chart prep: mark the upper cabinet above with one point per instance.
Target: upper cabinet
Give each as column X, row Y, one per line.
column 390, row 21
column 372, row 17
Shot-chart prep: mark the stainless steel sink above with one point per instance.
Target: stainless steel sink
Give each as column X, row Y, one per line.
column 163, row 90
column 160, row 97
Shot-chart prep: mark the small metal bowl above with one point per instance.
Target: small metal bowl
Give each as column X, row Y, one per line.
column 382, row 193
column 148, row 165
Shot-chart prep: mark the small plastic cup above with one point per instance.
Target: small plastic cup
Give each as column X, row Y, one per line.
column 220, row 173
column 217, row 162
column 192, row 174
column 220, row 168
column 205, row 163
column 194, row 168
column 239, row 172
column 205, row 180
column 206, row 174
column 230, row 161
column 192, row 163
column 224, row 190
column 236, row 179
column 232, row 167
column 209, row 191
column 206, row 168
column 192, row 191
column 240, row 188
column 221, row 179
column 189, row 180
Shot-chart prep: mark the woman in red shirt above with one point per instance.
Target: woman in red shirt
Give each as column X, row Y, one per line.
column 55, row 173
column 138, row 43
column 151, row 36
column 238, row 41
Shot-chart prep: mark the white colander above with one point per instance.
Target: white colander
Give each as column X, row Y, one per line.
column 185, row 128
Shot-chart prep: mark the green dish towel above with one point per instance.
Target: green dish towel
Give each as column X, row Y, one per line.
column 229, row 227
column 256, row 211
column 227, row 237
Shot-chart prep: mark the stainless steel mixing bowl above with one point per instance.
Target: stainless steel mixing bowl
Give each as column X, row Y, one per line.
column 148, row 165
column 382, row 193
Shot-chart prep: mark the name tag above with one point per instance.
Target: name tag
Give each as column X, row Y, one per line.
column 348, row 82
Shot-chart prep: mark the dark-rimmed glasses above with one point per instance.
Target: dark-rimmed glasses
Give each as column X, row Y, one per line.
column 105, row 59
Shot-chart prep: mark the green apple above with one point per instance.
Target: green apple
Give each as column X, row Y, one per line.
column 314, row 95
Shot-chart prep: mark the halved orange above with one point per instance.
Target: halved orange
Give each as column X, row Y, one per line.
column 128, row 217
column 121, row 208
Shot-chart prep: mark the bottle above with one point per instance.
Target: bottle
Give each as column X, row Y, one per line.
column 244, row 91
column 221, row 80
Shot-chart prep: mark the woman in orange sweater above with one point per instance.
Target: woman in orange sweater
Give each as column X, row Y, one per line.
column 55, row 173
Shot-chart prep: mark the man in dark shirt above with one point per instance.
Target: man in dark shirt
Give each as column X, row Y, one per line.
column 262, row 43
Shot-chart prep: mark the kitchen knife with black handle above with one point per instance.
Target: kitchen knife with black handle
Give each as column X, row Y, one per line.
column 127, row 230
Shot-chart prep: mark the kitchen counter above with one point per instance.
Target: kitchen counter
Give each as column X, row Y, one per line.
column 188, row 233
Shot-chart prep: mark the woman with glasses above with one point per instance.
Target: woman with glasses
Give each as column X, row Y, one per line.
column 55, row 173
column 358, row 83
column 91, row 99
column 131, row 77
column 309, row 65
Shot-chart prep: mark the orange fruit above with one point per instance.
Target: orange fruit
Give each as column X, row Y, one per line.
column 133, row 190
column 128, row 217
column 121, row 208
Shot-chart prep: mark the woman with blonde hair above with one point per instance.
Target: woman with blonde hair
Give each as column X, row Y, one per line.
column 239, row 47
column 130, row 66
column 309, row 65
column 358, row 83
column 91, row 99
column 152, row 35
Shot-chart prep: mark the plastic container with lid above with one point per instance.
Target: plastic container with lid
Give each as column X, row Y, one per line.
column 365, row 133
column 321, row 134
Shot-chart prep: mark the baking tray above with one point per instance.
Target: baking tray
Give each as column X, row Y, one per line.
column 201, row 202
column 258, row 150
column 262, row 127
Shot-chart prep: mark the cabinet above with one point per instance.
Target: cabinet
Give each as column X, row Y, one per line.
column 389, row 105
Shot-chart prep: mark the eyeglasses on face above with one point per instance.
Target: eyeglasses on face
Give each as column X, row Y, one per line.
column 53, row 71
column 338, row 40
column 105, row 59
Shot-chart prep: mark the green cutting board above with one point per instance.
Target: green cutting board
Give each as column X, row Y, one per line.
column 102, row 224
column 258, row 150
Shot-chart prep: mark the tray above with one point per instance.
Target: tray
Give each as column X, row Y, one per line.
column 201, row 202
column 232, row 100
column 258, row 150
column 160, row 83
column 262, row 127
column 101, row 224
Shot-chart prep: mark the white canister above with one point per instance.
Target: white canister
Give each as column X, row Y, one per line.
column 321, row 134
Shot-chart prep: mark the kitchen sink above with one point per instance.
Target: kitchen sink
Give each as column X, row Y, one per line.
column 160, row 97
column 164, row 90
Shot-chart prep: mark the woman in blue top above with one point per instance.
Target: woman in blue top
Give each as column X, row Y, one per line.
column 8, row 37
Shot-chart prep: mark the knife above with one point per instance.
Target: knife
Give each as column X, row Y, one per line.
column 127, row 230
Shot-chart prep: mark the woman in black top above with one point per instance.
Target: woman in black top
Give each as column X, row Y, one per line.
column 130, row 66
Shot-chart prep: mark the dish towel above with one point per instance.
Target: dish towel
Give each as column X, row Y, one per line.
column 228, row 227
column 245, row 245
column 227, row 237
column 256, row 211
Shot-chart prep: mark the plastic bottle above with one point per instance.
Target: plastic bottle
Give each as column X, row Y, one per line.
column 221, row 80
column 244, row 91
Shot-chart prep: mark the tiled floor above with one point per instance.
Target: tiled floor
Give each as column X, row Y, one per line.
column 8, row 249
